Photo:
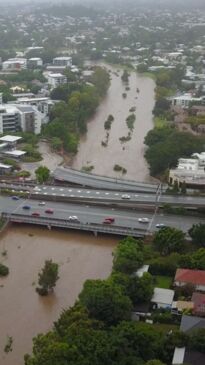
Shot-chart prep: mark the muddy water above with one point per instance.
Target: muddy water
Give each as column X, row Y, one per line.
column 129, row 155
column 23, row 314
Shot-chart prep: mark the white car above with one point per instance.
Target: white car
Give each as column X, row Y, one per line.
column 143, row 220
column 73, row 218
column 125, row 196
column 41, row 203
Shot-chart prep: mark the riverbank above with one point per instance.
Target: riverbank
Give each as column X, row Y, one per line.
column 23, row 314
column 129, row 154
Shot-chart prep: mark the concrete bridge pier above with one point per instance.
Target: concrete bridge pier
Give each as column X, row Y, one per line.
column 95, row 233
column 49, row 227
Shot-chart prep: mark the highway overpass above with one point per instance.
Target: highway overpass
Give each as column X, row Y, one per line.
column 101, row 182
column 105, row 197
column 92, row 217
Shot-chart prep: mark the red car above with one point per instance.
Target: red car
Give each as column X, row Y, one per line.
column 109, row 220
column 35, row 214
column 49, row 211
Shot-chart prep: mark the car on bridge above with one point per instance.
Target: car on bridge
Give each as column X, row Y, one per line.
column 49, row 211
column 14, row 197
column 26, row 207
column 73, row 218
column 143, row 220
column 160, row 225
column 125, row 196
column 35, row 214
column 109, row 220
column 41, row 203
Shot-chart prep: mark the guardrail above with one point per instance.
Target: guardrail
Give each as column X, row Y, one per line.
column 63, row 223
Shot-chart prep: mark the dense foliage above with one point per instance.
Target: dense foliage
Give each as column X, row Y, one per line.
column 167, row 145
column 42, row 174
column 169, row 240
column 79, row 102
column 47, row 278
column 128, row 256
column 197, row 233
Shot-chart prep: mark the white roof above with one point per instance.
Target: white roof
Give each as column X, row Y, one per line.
column 163, row 296
column 3, row 166
column 142, row 270
column 63, row 58
column 10, row 138
column 178, row 357
column 16, row 153
column 56, row 75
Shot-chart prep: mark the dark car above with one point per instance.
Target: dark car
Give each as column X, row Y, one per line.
column 26, row 207
column 49, row 211
column 15, row 197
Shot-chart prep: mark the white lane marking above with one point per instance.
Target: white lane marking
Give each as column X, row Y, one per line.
column 61, row 189
column 44, row 188
column 45, row 193
column 107, row 193
column 62, row 194
column 52, row 188
column 116, row 194
column 136, row 196
column 88, row 192
column 79, row 191
column 97, row 192
column 72, row 196
column 70, row 190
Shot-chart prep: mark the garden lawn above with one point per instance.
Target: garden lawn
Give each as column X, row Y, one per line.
column 163, row 281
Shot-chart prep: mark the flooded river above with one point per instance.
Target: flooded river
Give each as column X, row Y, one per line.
column 130, row 154
column 23, row 314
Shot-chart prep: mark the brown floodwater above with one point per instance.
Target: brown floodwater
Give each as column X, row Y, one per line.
column 129, row 155
column 23, row 314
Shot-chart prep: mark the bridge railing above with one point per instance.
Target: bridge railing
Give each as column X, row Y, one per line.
column 124, row 231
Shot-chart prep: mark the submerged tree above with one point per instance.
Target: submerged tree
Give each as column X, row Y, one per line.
column 47, row 277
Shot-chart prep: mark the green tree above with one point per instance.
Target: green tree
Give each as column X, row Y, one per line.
column 105, row 301
column 128, row 256
column 42, row 174
column 140, row 290
column 47, row 278
column 197, row 233
column 4, row 270
column 56, row 143
column 168, row 240
column 101, row 80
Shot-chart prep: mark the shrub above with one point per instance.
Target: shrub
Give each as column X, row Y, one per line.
column 4, row 270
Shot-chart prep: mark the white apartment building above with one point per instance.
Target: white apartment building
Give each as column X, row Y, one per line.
column 184, row 100
column 35, row 62
column 190, row 170
column 14, row 64
column 56, row 79
column 14, row 118
column 62, row 61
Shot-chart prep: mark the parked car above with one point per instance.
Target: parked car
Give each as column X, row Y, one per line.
column 125, row 196
column 160, row 225
column 35, row 214
column 15, row 197
column 49, row 211
column 143, row 220
column 26, row 207
column 41, row 203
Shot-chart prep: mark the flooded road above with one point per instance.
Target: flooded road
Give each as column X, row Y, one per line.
column 23, row 314
column 129, row 155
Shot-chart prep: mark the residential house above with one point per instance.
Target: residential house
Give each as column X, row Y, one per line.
column 182, row 355
column 198, row 300
column 191, row 323
column 162, row 298
column 194, row 277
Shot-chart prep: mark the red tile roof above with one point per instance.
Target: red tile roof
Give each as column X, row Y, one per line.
column 199, row 302
column 195, row 277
